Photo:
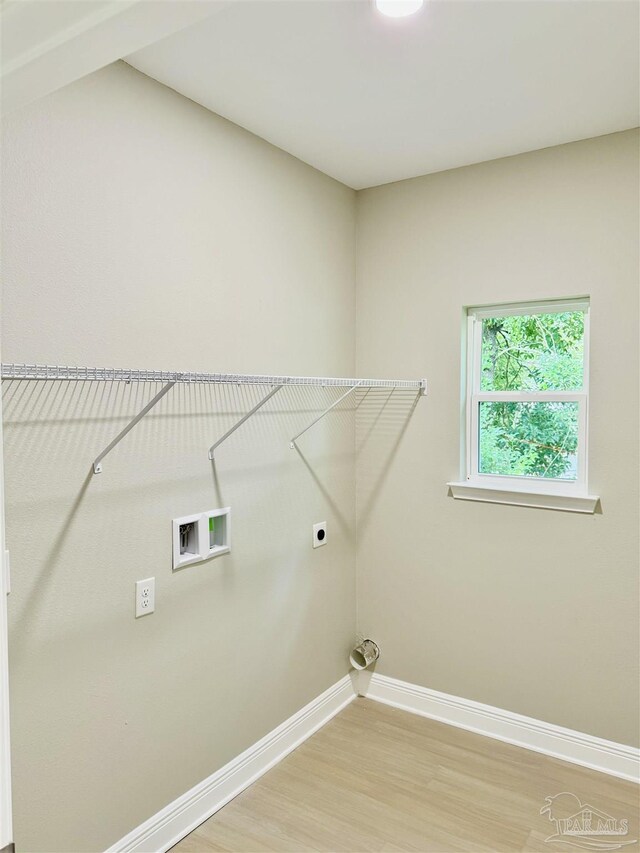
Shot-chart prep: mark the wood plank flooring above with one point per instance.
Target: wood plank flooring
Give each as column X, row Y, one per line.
column 379, row 779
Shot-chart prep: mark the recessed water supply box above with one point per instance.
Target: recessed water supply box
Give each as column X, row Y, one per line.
column 218, row 531
column 186, row 540
column 201, row 536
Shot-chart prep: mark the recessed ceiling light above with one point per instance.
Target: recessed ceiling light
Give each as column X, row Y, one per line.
column 398, row 8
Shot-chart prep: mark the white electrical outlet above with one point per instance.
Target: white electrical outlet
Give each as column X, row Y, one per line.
column 145, row 597
column 319, row 534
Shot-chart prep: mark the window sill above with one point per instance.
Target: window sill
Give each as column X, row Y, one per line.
column 489, row 494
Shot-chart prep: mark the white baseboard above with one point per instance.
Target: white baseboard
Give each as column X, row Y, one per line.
column 176, row 820
column 180, row 817
column 578, row 748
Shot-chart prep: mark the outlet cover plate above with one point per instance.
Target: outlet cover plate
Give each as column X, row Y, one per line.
column 145, row 597
column 319, row 534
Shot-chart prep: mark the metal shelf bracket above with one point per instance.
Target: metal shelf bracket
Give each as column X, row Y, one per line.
column 242, row 420
column 292, row 443
column 97, row 462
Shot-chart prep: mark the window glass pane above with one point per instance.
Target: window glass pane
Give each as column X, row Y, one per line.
column 535, row 352
column 529, row 439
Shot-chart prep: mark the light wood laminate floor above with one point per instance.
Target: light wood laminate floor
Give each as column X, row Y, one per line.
column 379, row 779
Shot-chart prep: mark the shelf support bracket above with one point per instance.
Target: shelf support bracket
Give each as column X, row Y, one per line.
column 292, row 443
column 242, row 420
column 97, row 462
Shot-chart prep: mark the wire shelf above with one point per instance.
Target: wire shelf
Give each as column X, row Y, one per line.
column 58, row 373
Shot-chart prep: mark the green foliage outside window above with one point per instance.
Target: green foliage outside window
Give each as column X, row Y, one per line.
column 537, row 352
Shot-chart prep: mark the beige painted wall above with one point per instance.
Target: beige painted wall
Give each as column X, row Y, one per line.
column 529, row 610
column 141, row 230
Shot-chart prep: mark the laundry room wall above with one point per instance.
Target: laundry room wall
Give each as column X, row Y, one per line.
column 142, row 231
column 529, row 610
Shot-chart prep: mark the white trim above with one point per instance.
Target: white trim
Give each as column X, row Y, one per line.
column 183, row 815
column 471, row 491
column 521, row 309
column 530, row 396
column 6, row 825
column 586, row 750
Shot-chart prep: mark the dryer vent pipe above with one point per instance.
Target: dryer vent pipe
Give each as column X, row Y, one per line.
column 364, row 655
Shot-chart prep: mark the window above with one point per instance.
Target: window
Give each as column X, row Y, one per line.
column 526, row 405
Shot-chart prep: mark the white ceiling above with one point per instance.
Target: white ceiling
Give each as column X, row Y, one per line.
column 369, row 100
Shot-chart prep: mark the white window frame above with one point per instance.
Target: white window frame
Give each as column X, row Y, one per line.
column 6, row 827
column 549, row 493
